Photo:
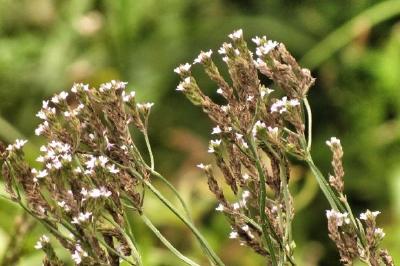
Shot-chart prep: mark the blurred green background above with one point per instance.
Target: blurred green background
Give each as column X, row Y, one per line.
column 351, row 46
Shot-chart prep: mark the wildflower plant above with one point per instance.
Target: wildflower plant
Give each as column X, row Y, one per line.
column 91, row 176
column 257, row 133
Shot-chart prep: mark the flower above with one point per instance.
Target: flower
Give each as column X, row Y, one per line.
column 224, row 49
column 43, row 240
column 369, row 215
column 266, row 47
column 258, row 126
column 127, row 97
column 236, row 34
column 112, row 169
column 333, row 141
column 258, row 41
column 265, row 91
column 233, row 235
column 203, row 56
column 338, row 217
column 283, row 104
column 213, row 145
column 19, row 143
column 183, row 68
column 220, row 208
column 82, row 217
column 216, row 130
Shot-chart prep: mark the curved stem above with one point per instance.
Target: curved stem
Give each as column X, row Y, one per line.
column 146, row 138
column 370, row 17
column 166, row 242
column 175, row 191
column 129, row 237
column 215, row 259
column 309, row 123
column 265, row 221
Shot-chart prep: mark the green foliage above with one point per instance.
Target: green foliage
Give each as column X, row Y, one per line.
column 353, row 48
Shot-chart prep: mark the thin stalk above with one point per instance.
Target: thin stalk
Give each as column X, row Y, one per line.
column 175, row 191
column 166, row 242
column 329, row 194
column 264, row 219
column 216, row 260
column 285, row 188
column 128, row 237
column 115, row 252
column 146, row 139
column 309, row 123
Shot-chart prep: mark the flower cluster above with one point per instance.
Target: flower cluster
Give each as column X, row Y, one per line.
column 257, row 135
column 79, row 189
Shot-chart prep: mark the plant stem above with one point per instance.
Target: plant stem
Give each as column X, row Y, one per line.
column 175, row 191
column 215, row 259
column 146, row 138
column 166, row 242
column 309, row 123
column 264, row 219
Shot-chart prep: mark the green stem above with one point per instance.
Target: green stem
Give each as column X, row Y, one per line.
column 128, row 237
column 216, row 260
column 146, row 138
column 309, row 123
column 264, row 219
column 175, row 191
column 323, row 184
column 343, row 35
column 166, row 242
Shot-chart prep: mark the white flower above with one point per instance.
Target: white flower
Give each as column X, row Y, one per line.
column 113, row 169
column 42, row 115
column 379, row 233
column 265, row 91
column 63, row 95
column 250, row 98
column 41, row 128
column 266, row 47
column 216, row 130
column 220, row 91
column 201, row 166
column 214, row 144
column 338, row 217
column 224, row 48
column 225, row 108
column 333, row 141
column 19, row 143
column 258, row 126
column 236, row 34
column 236, row 206
column 128, row 97
column 258, row 41
column 203, row 56
column 97, row 193
column 103, row 160
column 282, row 105
column 82, row 217
column 246, row 176
column 41, row 173
column 246, row 194
column 220, row 208
column 369, row 214
column 78, row 254
column 182, row 68
column 233, row 235
column 42, row 241
column 180, row 87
